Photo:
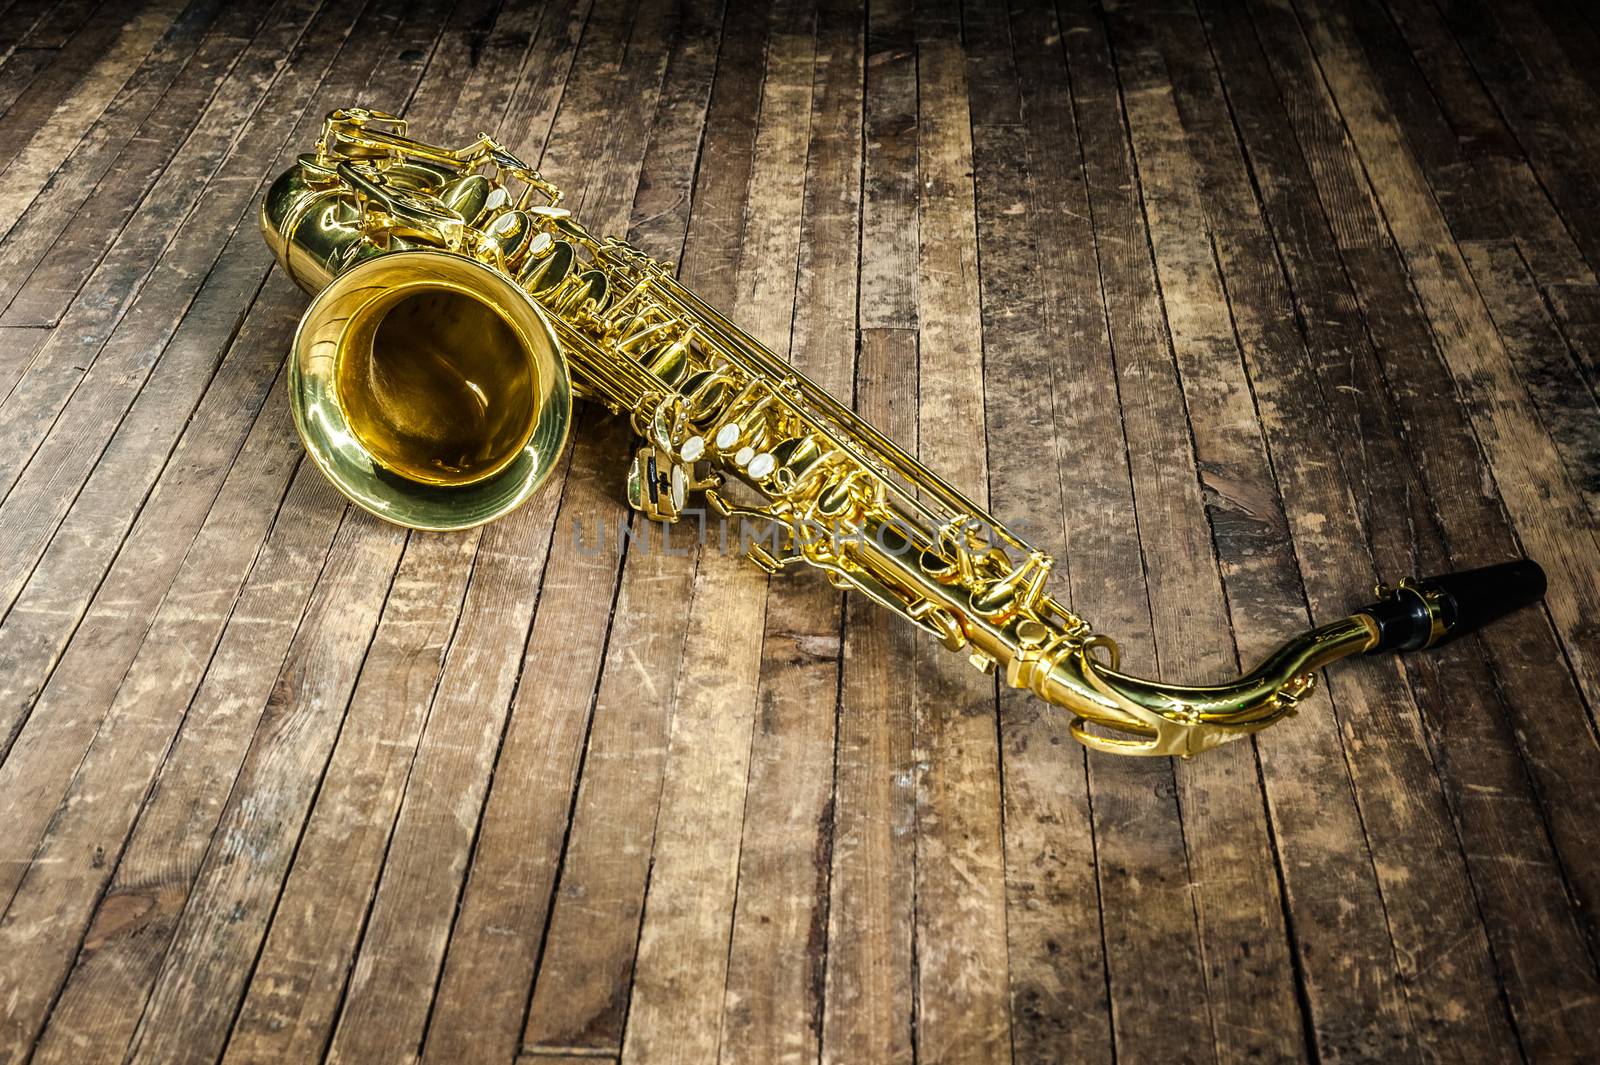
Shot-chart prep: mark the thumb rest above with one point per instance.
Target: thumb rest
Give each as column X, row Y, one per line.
column 458, row 308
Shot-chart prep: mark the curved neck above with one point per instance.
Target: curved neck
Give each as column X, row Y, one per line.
column 1131, row 715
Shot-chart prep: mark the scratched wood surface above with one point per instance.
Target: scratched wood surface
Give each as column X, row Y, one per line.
column 1233, row 305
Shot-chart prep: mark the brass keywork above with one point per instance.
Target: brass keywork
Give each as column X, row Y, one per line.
column 458, row 309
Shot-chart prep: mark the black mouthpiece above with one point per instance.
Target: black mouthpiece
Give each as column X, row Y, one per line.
column 1430, row 611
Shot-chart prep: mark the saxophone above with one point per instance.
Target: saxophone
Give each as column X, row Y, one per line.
column 458, row 309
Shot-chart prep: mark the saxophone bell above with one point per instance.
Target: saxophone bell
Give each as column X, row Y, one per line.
column 426, row 385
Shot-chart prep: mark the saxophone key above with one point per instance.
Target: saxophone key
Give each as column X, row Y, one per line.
column 467, row 196
column 512, row 234
column 547, row 268
column 657, row 486
column 670, row 361
column 761, row 466
column 704, row 393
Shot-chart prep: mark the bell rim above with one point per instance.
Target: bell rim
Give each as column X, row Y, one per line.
column 401, row 501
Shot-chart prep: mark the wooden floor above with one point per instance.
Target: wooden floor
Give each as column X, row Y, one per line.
column 1234, row 307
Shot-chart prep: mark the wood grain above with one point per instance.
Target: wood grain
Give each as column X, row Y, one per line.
column 1148, row 905
column 576, row 1002
column 867, row 1000
column 777, row 961
column 681, row 980
column 962, row 991
column 1234, row 307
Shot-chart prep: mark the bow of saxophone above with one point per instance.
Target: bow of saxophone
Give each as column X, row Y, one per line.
column 458, row 309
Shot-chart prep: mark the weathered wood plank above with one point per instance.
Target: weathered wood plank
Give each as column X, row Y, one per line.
column 41, row 907
column 867, row 987
column 202, row 977
column 1045, row 787
column 1148, row 886
column 93, row 90
column 1577, row 311
column 1544, row 505
column 449, row 774
column 70, row 687
column 889, row 229
column 1474, row 522
column 340, row 87
column 778, row 957
column 299, row 977
column 1454, row 1000
column 868, row 997
column 1539, row 355
column 1576, row 35
column 45, row 259
column 494, row 942
column 26, row 31
column 297, row 981
column 391, row 989
column 676, row 1008
column 581, row 989
column 47, row 24
column 18, row 346
column 1485, row 184
column 70, row 568
column 1489, row 202
column 184, row 629
column 85, row 379
column 133, row 921
column 1544, row 104
column 1473, row 747
column 681, row 979
column 61, row 45
column 994, row 96
column 1357, row 1005
column 963, row 1012
column 1057, row 374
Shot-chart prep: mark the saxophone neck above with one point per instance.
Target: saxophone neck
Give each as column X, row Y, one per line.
column 1124, row 714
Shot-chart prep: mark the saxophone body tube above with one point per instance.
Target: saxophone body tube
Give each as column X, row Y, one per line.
column 457, row 309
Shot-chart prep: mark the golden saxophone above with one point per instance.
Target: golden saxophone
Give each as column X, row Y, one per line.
column 458, row 309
